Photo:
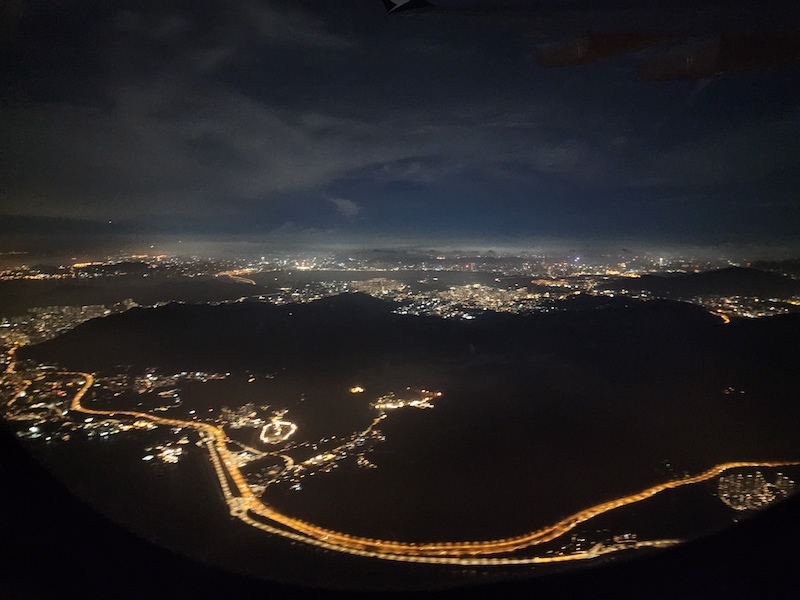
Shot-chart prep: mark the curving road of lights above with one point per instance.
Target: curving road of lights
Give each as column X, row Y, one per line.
column 246, row 506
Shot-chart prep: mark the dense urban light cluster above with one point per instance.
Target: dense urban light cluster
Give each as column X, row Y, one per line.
column 752, row 491
column 416, row 281
column 44, row 322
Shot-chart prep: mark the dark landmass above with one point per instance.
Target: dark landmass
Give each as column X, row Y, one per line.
column 126, row 267
column 390, row 257
column 790, row 265
column 417, row 280
column 542, row 414
column 732, row 281
column 17, row 296
column 359, row 329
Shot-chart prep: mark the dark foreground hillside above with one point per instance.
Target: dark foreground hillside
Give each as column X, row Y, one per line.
column 358, row 327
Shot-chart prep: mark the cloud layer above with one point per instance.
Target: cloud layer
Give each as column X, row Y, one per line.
column 266, row 111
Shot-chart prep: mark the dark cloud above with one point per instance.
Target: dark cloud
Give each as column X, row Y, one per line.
column 253, row 113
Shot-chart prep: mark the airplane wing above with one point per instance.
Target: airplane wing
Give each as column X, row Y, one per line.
column 396, row 6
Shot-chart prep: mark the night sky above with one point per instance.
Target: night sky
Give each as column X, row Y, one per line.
column 332, row 120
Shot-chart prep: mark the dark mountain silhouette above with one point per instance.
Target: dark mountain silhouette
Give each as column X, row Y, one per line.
column 791, row 265
column 17, row 296
column 359, row 329
column 731, row 281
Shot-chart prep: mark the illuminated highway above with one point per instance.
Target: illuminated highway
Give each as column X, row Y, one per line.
column 245, row 505
column 10, row 369
column 725, row 318
column 236, row 276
